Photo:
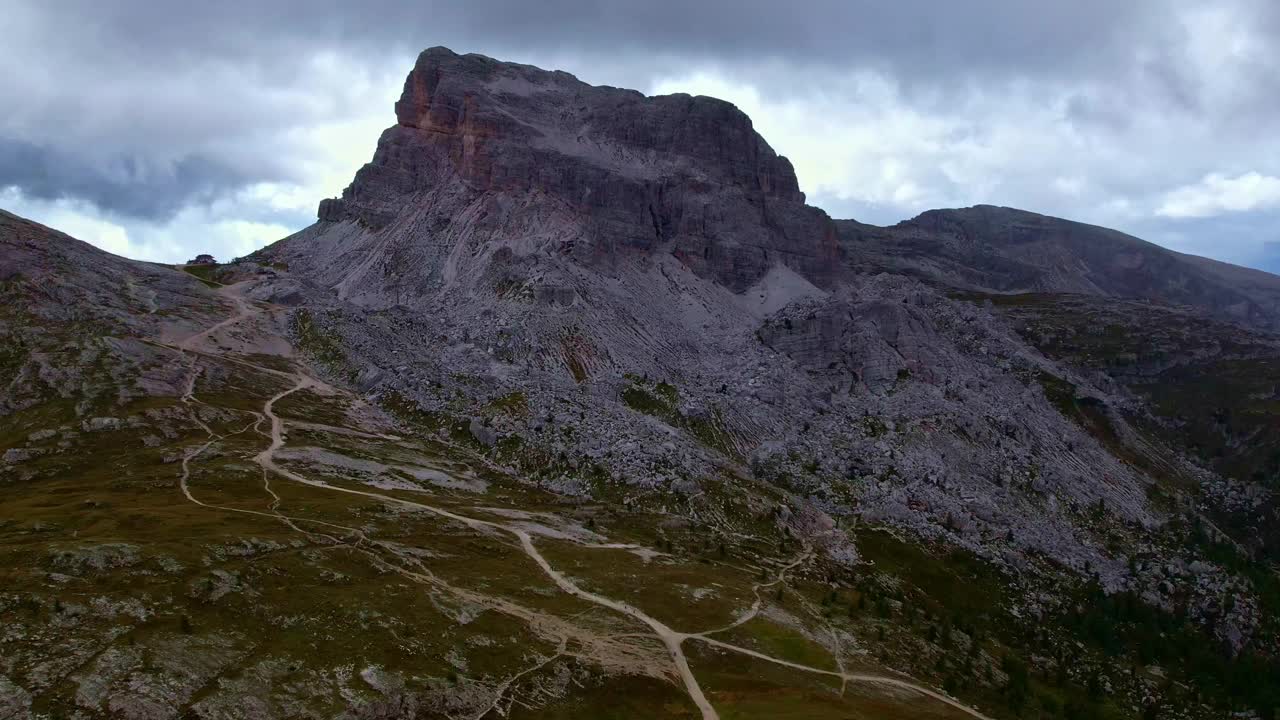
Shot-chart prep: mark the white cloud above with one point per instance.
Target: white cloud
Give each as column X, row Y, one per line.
column 866, row 144
column 868, row 149
column 77, row 219
column 1217, row 194
column 323, row 153
column 193, row 230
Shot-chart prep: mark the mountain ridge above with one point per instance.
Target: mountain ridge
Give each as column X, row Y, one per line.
column 1006, row 250
column 512, row 128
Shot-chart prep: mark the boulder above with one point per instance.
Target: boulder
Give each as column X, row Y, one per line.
column 486, row 436
column 101, row 424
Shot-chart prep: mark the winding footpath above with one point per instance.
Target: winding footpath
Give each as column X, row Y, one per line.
column 672, row 639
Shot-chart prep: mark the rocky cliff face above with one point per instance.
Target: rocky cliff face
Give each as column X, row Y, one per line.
column 600, row 174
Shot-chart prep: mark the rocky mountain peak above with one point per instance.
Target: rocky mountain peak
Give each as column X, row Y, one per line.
column 634, row 174
column 481, row 105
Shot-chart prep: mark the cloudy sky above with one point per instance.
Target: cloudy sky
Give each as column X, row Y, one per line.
column 159, row 130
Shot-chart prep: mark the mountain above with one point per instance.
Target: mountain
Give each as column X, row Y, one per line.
column 570, row 406
column 487, row 155
column 73, row 318
column 1003, row 250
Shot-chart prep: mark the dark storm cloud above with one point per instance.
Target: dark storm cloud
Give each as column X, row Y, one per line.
column 920, row 42
column 97, row 80
column 915, row 35
column 129, row 185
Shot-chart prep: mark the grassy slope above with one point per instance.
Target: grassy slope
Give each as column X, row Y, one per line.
column 308, row 607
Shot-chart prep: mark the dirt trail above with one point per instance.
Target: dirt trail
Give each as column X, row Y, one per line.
column 672, row 639
column 189, row 398
column 243, row 311
column 846, row 677
column 669, row 637
column 754, row 610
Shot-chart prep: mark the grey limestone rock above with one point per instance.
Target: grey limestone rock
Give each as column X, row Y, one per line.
column 634, row 176
column 101, row 424
column 484, row 435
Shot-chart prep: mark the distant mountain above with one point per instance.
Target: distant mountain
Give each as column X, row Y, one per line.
column 1003, row 250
